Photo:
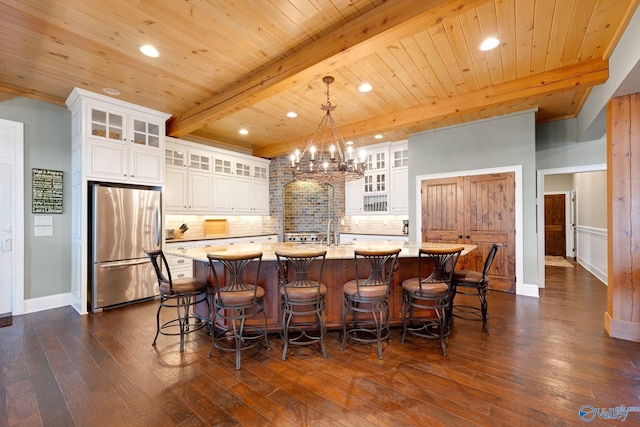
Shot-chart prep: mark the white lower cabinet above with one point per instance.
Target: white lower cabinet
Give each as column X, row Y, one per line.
column 180, row 267
column 183, row 267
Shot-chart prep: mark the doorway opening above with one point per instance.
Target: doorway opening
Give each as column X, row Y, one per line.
column 587, row 244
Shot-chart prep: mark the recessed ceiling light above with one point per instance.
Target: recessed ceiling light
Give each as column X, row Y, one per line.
column 150, row 51
column 365, row 87
column 378, row 136
column 489, row 43
column 243, row 132
column 111, row 91
column 349, row 142
column 292, row 114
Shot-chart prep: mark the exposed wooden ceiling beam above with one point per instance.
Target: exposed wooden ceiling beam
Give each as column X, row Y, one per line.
column 385, row 24
column 583, row 75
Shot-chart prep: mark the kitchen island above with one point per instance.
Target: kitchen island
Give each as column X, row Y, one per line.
column 338, row 268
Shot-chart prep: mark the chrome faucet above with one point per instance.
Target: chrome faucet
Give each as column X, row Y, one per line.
column 331, row 236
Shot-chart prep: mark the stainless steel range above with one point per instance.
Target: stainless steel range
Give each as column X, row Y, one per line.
column 304, row 237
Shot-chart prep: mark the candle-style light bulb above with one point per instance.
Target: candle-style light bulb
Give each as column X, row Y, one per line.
column 325, row 165
column 297, row 153
column 293, row 160
column 332, row 150
column 350, row 151
column 312, row 149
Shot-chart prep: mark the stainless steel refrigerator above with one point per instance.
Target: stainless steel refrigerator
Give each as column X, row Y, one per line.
column 124, row 220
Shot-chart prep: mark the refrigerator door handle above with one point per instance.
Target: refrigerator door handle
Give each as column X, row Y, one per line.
column 156, row 225
column 116, row 264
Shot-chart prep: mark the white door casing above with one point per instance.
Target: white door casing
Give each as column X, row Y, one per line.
column 11, row 217
column 541, row 173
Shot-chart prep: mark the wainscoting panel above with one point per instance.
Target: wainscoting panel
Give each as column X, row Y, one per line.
column 592, row 251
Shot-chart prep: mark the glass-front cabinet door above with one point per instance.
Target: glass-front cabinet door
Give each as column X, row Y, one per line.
column 376, row 160
column 175, row 157
column 199, row 161
column 400, row 158
column 222, row 165
column 243, row 169
column 260, row 172
column 146, row 133
column 106, row 124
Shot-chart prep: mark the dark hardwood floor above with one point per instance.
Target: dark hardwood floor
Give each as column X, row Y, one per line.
column 544, row 360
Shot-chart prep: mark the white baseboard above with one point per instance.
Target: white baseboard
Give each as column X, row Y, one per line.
column 46, row 303
column 602, row 275
column 527, row 290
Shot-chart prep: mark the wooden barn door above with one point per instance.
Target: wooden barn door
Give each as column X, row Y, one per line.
column 477, row 210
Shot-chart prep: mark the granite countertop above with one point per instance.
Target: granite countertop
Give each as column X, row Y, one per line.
column 345, row 251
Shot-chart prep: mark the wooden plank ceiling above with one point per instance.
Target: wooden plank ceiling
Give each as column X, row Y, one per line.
column 244, row 64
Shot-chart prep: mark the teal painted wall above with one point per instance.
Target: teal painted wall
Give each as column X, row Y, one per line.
column 47, row 145
column 500, row 142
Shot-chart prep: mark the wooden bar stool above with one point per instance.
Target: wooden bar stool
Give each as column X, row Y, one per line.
column 302, row 296
column 371, row 296
column 179, row 294
column 468, row 282
column 431, row 294
column 234, row 302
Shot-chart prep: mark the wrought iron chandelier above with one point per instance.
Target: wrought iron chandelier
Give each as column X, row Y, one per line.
column 327, row 158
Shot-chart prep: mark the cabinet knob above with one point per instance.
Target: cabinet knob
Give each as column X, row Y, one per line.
column 459, row 236
column 467, row 236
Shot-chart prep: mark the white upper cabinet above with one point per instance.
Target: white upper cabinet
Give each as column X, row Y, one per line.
column 238, row 184
column 188, row 178
column 119, row 141
column 399, row 179
column 384, row 187
column 353, row 197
